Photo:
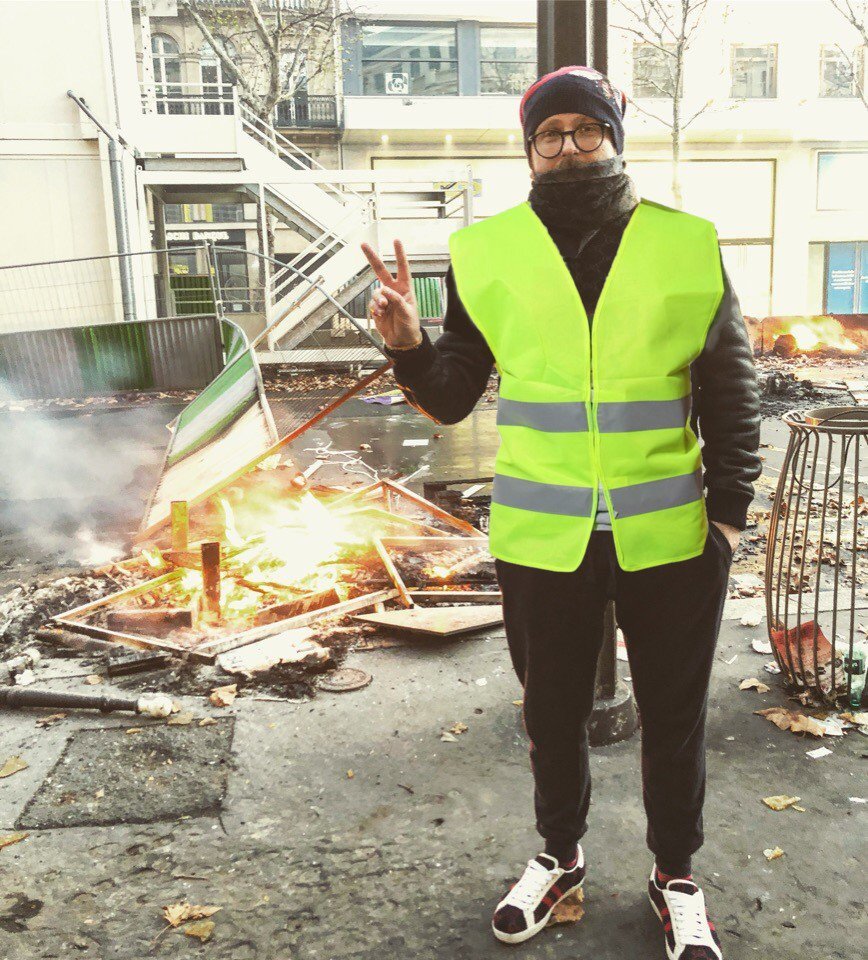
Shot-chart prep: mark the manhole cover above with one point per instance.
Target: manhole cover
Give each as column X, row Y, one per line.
column 347, row 678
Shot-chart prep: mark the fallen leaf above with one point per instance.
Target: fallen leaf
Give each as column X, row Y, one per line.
column 458, row 727
column 350, row 774
column 93, row 679
column 207, row 721
column 860, row 719
column 12, row 765
column 753, row 684
column 48, row 721
column 201, row 930
column 797, row 808
column 517, row 703
column 224, row 696
column 8, row 839
column 178, row 913
column 569, row 910
column 180, row 719
column 100, row 793
column 780, row 801
column 773, row 854
column 792, row 720
column 134, row 729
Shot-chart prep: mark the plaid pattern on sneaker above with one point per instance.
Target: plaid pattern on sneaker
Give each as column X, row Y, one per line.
column 680, row 905
column 526, row 909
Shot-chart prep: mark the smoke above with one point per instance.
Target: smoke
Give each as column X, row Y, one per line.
column 73, row 484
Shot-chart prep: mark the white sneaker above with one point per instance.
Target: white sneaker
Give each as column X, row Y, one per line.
column 680, row 905
column 526, row 909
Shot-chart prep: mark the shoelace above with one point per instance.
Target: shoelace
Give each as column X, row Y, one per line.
column 689, row 918
column 533, row 882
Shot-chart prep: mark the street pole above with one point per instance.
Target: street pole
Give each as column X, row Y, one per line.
column 576, row 32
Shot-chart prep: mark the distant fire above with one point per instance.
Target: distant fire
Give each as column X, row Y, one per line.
column 787, row 336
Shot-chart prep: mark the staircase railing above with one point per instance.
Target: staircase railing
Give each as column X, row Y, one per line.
column 288, row 151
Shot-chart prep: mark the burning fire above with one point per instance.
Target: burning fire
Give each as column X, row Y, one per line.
column 814, row 333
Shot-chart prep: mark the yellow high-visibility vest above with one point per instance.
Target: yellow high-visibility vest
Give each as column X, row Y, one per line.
column 581, row 406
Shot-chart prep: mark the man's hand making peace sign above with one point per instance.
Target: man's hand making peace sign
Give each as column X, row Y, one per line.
column 393, row 306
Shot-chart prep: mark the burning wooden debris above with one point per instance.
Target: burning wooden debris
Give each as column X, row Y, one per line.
column 262, row 559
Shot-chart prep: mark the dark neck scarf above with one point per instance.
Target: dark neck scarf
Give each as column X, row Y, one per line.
column 582, row 196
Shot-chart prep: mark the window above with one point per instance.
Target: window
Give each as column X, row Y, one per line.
column 846, row 288
column 654, row 71
column 841, row 179
column 410, row 60
column 167, row 73
column 839, row 73
column 216, row 79
column 754, row 71
column 508, row 61
column 204, row 212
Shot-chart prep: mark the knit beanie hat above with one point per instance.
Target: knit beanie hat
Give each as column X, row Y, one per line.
column 573, row 89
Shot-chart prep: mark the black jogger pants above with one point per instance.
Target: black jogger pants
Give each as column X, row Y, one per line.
column 670, row 616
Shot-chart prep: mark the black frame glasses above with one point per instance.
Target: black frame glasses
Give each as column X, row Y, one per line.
column 601, row 125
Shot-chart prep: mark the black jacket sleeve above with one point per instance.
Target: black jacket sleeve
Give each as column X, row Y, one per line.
column 727, row 398
column 444, row 380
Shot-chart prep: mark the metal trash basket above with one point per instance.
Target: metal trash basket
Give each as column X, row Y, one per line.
column 818, row 554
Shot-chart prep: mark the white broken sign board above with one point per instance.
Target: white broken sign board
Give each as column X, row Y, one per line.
column 439, row 621
column 289, row 646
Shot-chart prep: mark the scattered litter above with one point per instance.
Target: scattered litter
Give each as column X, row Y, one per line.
column 6, row 840
column 761, row 646
column 224, row 696
column 350, row 774
column 25, row 678
column 819, row 752
column 753, row 620
column 458, row 727
column 207, row 721
column 793, row 720
column 12, row 765
column 389, row 398
column 517, row 703
column 416, row 442
column 731, row 660
column 481, row 682
column 93, row 679
column 448, row 737
column 832, row 726
column 773, row 853
column 858, row 799
column 771, row 667
column 751, row 683
column 780, row 801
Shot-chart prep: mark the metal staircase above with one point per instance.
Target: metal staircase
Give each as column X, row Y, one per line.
column 334, row 217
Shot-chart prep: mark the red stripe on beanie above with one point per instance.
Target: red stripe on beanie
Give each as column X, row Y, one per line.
column 538, row 83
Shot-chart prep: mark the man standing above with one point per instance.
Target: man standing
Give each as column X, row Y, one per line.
column 616, row 335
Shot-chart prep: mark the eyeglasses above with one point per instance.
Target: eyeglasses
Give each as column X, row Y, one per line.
column 587, row 138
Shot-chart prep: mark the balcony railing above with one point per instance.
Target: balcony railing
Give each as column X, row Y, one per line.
column 312, row 110
column 189, row 99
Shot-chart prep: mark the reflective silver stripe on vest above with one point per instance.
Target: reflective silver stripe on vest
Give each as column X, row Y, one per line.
column 617, row 416
column 657, row 494
column 541, row 497
column 560, row 417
